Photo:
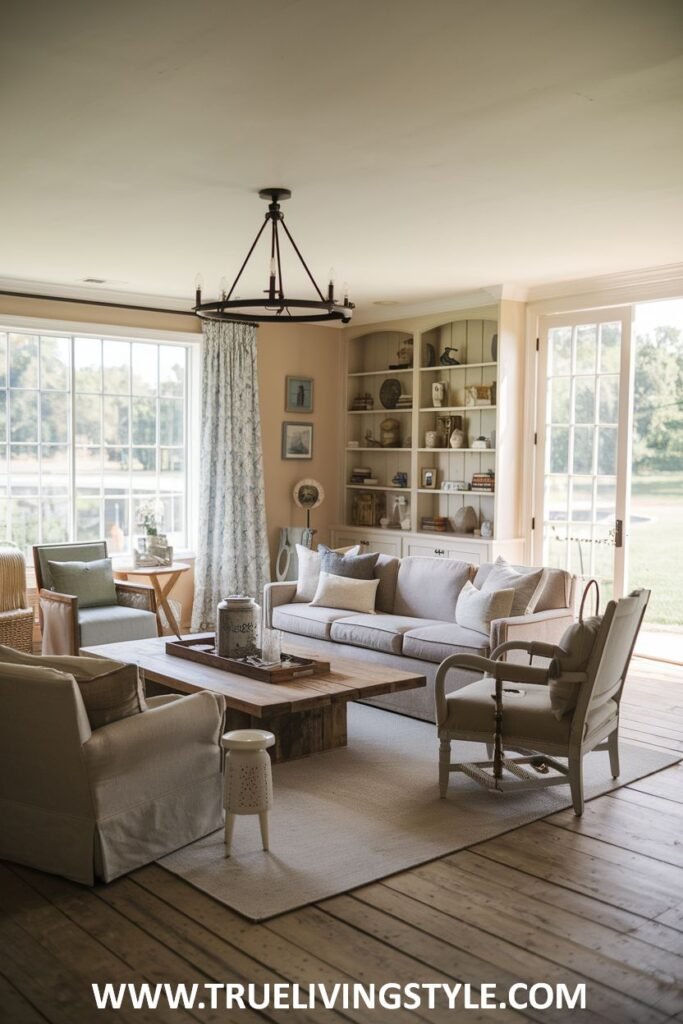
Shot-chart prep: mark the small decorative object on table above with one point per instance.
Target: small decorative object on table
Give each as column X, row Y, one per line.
column 238, row 620
column 457, row 438
column 487, row 529
column 400, row 480
column 447, row 357
column 202, row 649
column 481, row 442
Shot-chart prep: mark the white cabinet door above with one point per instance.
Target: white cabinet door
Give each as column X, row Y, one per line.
column 445, row 549
column 384, row 543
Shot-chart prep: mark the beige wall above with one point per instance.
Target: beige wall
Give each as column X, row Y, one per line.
column 294, row 349
column 307, row 351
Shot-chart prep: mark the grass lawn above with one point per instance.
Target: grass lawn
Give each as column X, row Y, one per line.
column 656, row 546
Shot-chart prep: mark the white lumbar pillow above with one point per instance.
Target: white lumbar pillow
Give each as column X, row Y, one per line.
column 344, row 592
column 309, row 570
column 477, row 610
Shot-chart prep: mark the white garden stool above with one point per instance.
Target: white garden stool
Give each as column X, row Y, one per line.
column 248, row 781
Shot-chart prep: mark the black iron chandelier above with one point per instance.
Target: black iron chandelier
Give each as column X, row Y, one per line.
column 276, row 307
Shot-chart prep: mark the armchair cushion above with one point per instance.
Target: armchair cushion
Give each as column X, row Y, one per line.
column 571, row 655
column 114, row 624
column 526, row 716
column 110, row 690
column 91, row 582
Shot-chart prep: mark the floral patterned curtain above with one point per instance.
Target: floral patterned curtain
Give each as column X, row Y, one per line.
column 232, row 551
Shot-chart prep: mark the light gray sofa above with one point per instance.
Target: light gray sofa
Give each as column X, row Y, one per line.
column 414, row 628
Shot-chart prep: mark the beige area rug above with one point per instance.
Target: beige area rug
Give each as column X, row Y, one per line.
column 352, row 816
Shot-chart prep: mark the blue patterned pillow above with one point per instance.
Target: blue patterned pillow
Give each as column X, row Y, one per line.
column 355, row 567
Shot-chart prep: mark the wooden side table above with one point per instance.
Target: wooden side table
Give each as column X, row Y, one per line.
column 163, row 578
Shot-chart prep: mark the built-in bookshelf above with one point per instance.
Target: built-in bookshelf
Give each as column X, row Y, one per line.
column 400, row 458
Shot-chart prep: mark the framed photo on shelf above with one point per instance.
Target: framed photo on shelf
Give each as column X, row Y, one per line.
column 428, row 479
column 297, row 440
column 298, row 394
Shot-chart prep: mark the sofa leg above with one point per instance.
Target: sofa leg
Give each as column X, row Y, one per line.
column 613, row 750
column 576, row 784
column 444, row 766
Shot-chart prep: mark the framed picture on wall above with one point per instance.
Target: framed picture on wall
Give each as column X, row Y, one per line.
column 297, row 440
column 298, row 394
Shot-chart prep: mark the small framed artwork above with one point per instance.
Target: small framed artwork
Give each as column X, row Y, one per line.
column 298, row 394
column 297, row 440
column 428, row 479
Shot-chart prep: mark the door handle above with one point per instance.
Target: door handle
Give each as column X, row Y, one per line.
column 618, row 533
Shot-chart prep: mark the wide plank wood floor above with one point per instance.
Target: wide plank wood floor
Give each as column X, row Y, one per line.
column 597, row 899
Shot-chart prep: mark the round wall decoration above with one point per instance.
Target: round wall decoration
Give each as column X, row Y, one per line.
column 308, row 494
column 390, row 392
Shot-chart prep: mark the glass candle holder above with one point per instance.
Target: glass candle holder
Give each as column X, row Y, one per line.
column 271, row 646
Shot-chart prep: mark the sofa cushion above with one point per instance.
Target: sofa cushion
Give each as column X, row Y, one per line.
column 355, row 567
column 377, row 632
column 115, row 624
column 386, row 571
column 345, row 592
column 476, row 609
column 527, row 585
column 306, row 620
column 436, row 642
column 553, row 592
column 527, row 715
column 429, row 587
column 309, row 570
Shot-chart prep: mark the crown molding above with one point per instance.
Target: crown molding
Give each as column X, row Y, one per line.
column 443, row 304
column 81, row 293
column 645, row 278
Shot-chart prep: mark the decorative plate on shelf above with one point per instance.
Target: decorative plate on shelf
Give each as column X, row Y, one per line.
column 390, row 392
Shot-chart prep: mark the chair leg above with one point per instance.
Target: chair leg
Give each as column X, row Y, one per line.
column 229, row 828
column 576, row 784
column 613, row 749
column 444, row 766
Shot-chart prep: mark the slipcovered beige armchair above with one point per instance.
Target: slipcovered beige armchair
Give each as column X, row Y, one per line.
column 96, row 803
column 66, row 627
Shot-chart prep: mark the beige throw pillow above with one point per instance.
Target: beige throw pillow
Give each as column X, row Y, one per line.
column 527, row 586
column 344, row 592
column 110, row 689
column 476, row 609
column 309, row 570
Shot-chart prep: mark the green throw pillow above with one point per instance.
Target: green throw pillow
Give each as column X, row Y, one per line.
column 91, row 582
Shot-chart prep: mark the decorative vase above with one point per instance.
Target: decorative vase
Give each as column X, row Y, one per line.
column 465, row 520
column 237, row 627
column 390, row 433
column 433, row 439
column 487, row 529
column 457, row 439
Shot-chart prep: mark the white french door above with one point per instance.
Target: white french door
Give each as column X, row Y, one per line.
column 583, row 445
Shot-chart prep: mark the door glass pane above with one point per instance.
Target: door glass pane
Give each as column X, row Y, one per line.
column 583, row 450
column 558, row 400
column 559, row 351
column 585, row 349
column 557, row 450
column 609, row 399
column 610, row 348
column 584, row 400
column 581, row 509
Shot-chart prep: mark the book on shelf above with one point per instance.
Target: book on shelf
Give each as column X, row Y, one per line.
column 483, row 482
column 435, row 524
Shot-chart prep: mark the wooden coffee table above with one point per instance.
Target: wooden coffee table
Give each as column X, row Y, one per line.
column 306, row 715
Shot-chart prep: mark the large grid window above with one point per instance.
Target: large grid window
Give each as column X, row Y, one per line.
column 89, row 429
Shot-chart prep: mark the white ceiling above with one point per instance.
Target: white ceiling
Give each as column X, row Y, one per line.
column 433, row 146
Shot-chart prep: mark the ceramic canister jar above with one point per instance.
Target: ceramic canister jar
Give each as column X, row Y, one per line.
column 433, row 439
column 390, row 433
column 238, row 621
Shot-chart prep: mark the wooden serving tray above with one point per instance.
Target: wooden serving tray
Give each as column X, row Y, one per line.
column 202, row 649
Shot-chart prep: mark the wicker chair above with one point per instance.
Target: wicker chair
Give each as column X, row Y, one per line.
column 16, row 618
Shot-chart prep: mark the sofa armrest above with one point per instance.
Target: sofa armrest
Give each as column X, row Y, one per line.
column 546, row 627
column 136, row 595
column 138, row 758
column 59, row 622
column 275, row 594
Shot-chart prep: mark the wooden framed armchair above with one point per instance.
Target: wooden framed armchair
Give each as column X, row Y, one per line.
column 66, row 627
column 515, row 707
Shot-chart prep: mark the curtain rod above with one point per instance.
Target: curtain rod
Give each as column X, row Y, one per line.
column 97, row 302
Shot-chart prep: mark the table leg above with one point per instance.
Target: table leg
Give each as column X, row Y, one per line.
column 162, row 598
